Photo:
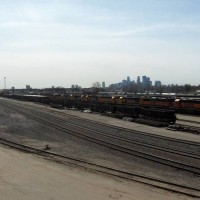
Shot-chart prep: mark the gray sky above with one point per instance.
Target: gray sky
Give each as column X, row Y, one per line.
column 65, row 42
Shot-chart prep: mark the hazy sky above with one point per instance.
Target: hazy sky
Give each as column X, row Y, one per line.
column 65, row 42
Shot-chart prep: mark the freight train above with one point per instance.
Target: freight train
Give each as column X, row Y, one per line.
column 179, row 104
column 135, row 109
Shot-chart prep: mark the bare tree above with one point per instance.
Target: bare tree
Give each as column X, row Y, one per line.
column 96, row 87
column 96, row 84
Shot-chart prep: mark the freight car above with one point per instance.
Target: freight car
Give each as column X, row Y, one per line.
column 180, row 105
column 116, row 106
column 56, row 100
column 187, row 105
column 24, row 97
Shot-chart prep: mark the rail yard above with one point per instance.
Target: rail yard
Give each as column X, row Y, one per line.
column 166, row 158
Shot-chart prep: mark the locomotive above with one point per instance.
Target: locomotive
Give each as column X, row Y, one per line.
column 186, row 105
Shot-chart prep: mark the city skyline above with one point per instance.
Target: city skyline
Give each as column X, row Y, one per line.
column 45, row 43
column 144, row 81
column 106, row 83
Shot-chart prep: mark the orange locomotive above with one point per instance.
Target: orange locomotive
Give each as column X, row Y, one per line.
column 188, row 105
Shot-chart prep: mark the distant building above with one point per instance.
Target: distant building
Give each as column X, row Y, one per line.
column 146, row 82
column 124, row 82
column 103, row 84
column 138, row 80
column 157, row 84
column 128, row 79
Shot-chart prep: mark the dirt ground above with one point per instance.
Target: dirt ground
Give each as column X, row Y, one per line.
column 29, row 177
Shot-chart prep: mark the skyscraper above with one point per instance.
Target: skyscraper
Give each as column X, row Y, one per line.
column 144, row 80
column 148, row 81
column 157, row 84
column 103, row 84
column 138, row 80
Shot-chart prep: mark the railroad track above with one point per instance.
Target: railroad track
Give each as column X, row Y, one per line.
column 156, row 139
column 113, row 142
column 136, row 135
column 126, row 139
column 115, row 147
column 190, row 121
column 184, row 128
column 148, row 180
column 138, row 120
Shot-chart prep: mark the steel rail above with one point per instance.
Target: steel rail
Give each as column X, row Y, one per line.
column 120, row 148
column 130, row 140
column 147, row 180
column 120, row 128
column 124, row 139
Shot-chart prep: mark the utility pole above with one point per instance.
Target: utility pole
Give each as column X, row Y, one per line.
column 5, row 83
